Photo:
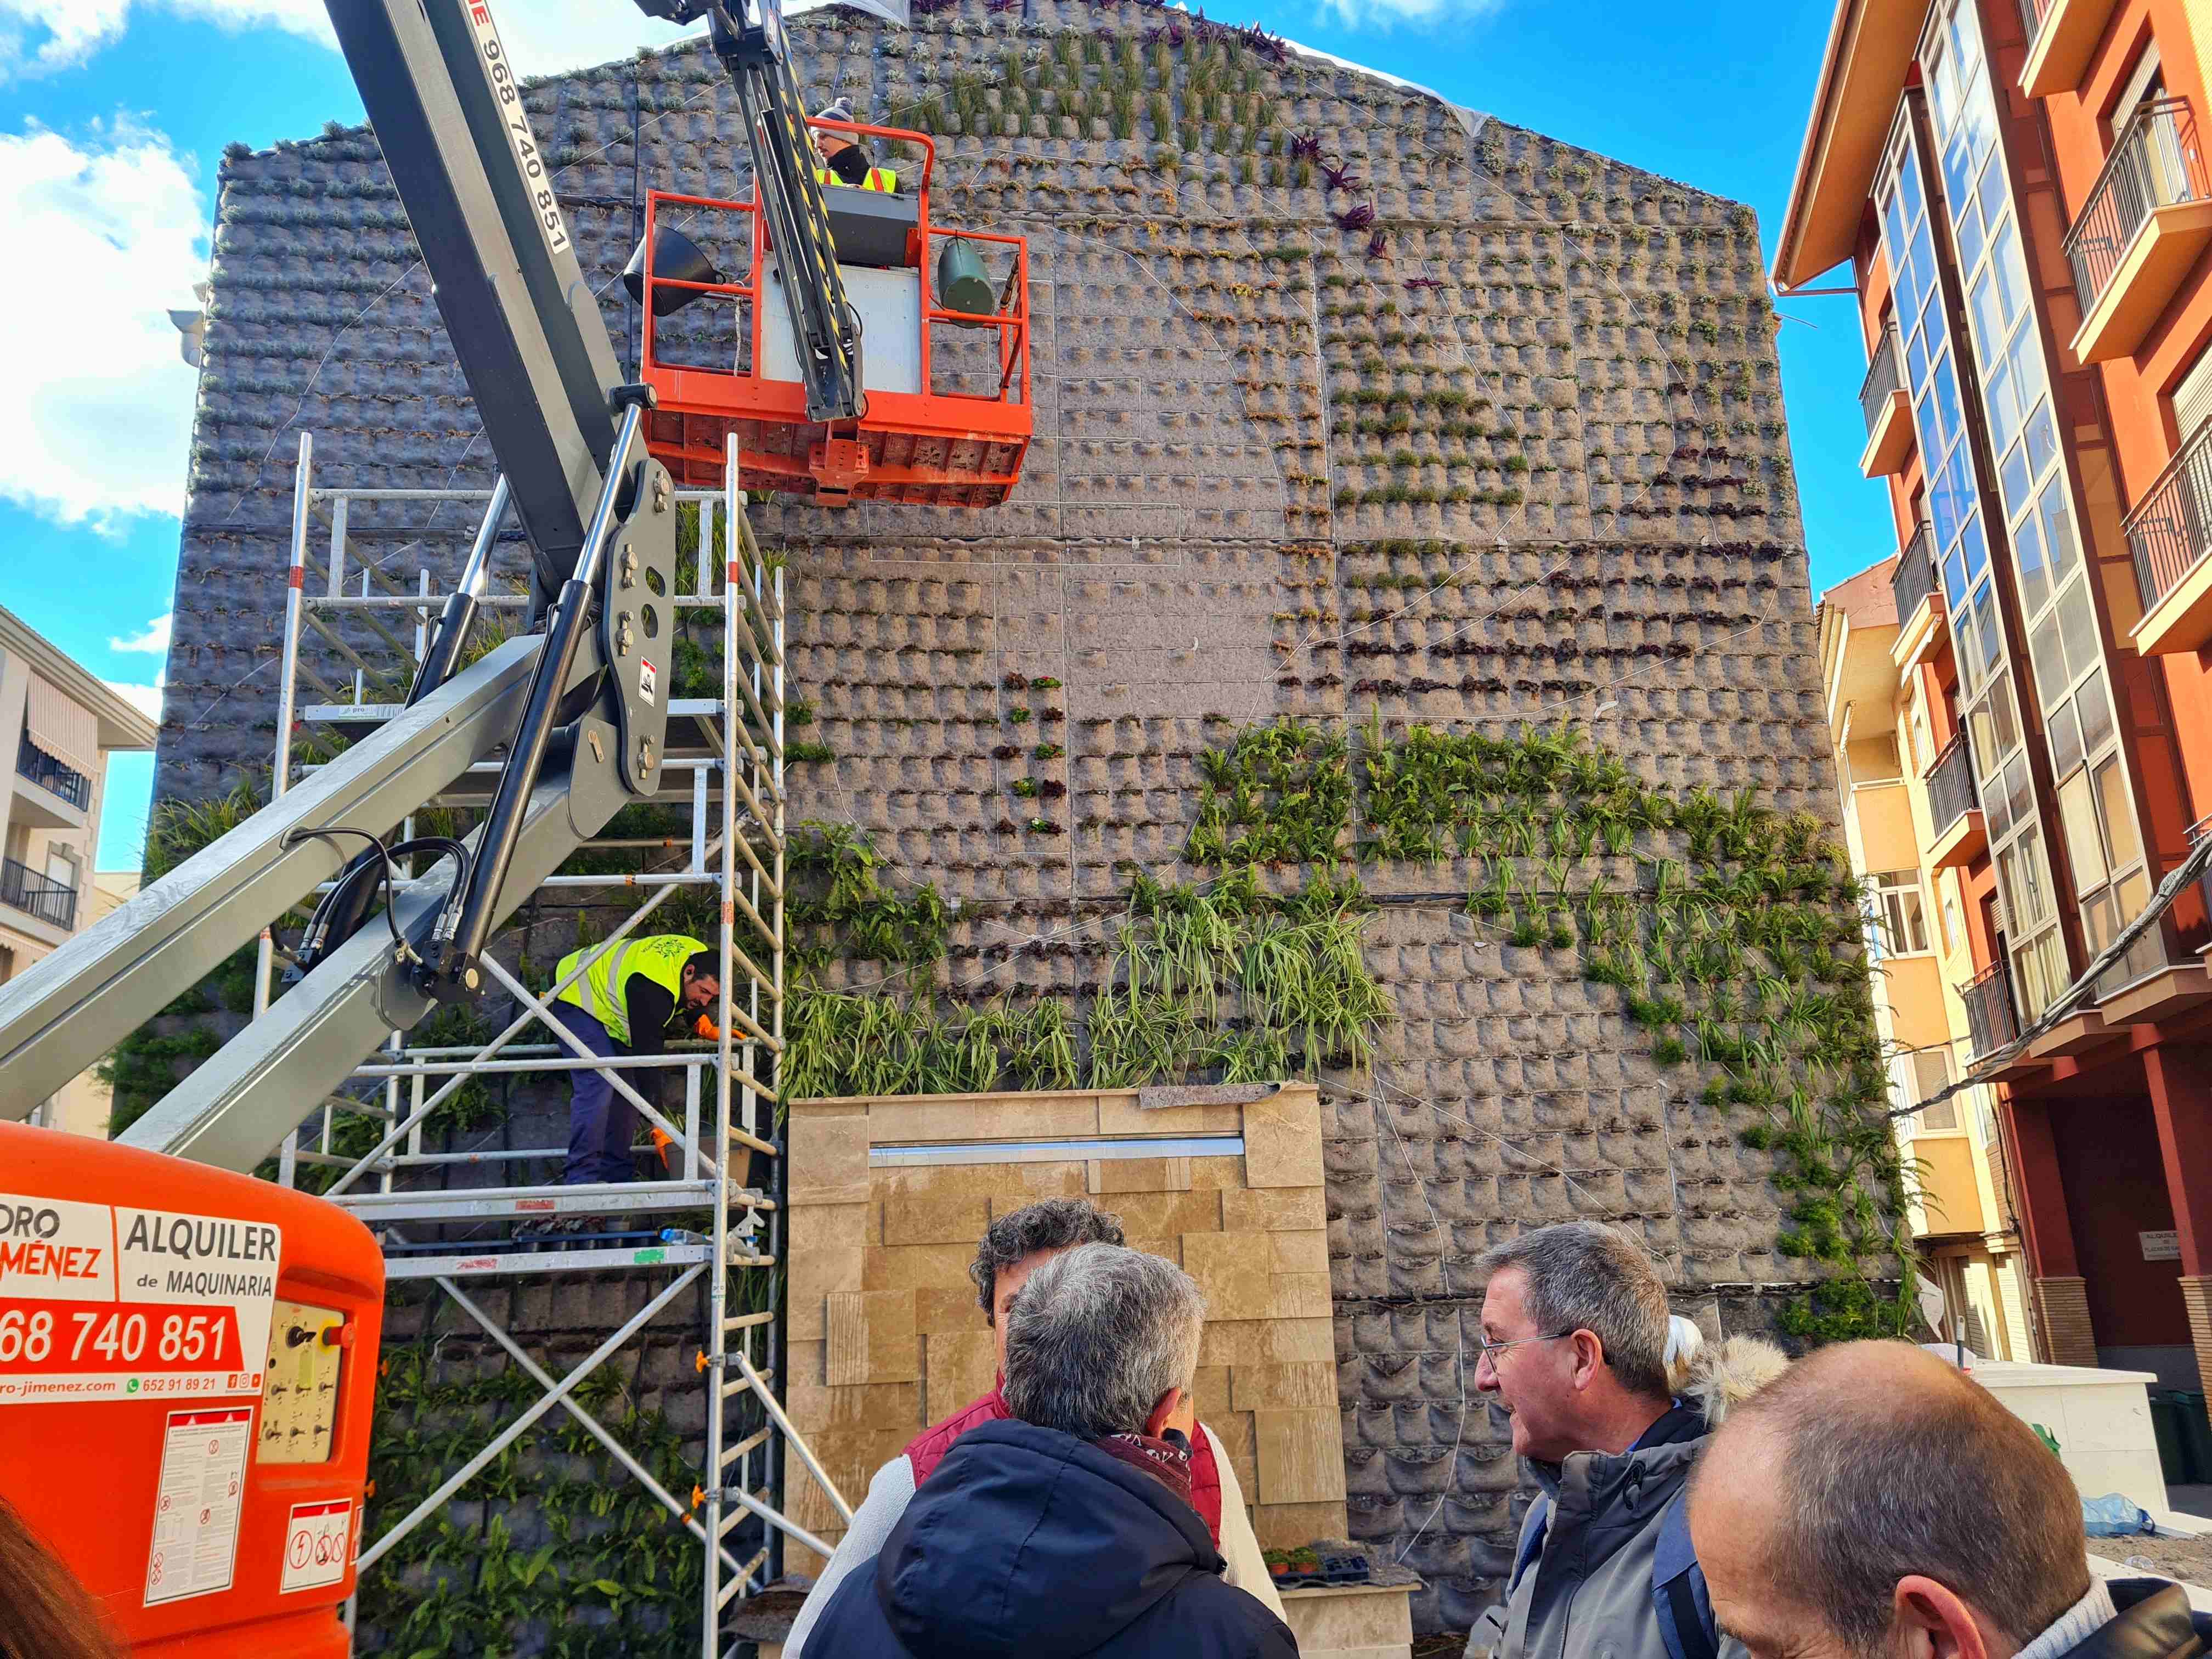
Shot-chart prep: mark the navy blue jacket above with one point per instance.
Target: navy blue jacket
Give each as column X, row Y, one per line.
column 1026, row 1543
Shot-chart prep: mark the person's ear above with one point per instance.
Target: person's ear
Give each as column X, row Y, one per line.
column 1928, row 1621
column 1172, row 1410
column 1589, row 1357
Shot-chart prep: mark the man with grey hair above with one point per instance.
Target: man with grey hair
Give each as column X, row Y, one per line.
column 1879, row 1503
column 1578, row 1348
column 1015, row 1245
column 1066, row 1528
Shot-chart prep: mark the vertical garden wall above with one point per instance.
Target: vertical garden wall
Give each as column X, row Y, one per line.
column 1396, row 664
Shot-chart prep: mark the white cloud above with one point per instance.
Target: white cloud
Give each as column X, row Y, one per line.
column 96, row 407
column 1382, row 14
column 41, row 36
column 146, row 699
column 154, row 642
column 547, row 35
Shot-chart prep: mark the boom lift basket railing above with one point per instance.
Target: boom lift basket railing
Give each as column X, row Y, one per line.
column 922, row 439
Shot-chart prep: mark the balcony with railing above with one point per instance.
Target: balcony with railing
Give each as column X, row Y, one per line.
column 1954, row 808
column 2062, row 34
column 2147, row 218
column 1919, row 594
column 1992, row 1022
column 2169, row 534
column 24, row 889
column 1888, row 414
column 53, row 776
column 2164, row 974
column 2192, row 921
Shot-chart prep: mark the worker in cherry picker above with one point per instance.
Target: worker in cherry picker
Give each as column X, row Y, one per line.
column 631, row 998
column 843, row 162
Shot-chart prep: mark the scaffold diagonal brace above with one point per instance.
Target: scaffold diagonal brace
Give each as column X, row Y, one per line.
column 515, row 1430
column 597, row 1431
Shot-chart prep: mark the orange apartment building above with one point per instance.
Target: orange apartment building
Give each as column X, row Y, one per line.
column 2018, row 192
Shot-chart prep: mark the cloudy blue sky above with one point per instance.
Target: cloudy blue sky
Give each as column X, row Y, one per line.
column 114, row 114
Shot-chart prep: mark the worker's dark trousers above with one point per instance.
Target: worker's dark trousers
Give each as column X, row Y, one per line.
column 601, row 1123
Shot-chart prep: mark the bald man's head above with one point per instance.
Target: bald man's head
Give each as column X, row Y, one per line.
column 1885, row 1499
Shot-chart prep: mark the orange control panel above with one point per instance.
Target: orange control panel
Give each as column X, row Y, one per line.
column 187, row 1372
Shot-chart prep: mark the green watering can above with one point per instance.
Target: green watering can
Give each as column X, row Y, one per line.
column 961, row 284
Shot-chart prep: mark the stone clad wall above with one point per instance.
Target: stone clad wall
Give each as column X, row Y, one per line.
column 1523, row 463
column 886, row 1337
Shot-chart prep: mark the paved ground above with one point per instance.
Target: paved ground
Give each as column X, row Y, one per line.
column 2190, row 1500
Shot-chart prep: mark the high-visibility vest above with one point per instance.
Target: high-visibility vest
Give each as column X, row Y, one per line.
column 881, row 178
column 601, row 990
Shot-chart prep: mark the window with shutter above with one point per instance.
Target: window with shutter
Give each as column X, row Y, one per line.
column 1931, row 1071
column 2146, row 82
column 2192, row 398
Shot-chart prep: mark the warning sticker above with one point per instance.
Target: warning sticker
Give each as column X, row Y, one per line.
column 315, row 1545
column 110, row 1301
column 195, row 1509
column 648, row 680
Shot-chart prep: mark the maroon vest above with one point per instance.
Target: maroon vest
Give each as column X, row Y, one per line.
column 928, row 1450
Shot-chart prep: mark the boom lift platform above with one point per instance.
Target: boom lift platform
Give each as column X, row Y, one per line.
column 938, row 423
column 547, row 735
column 843, row 385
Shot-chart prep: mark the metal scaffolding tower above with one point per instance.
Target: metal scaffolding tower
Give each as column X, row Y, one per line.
column 725, row 762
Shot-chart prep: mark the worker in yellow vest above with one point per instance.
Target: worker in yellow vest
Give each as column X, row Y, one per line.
column 843, row 162
column 629, row 1001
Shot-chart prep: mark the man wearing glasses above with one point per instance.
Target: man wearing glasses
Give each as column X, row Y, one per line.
column 1611, row 1399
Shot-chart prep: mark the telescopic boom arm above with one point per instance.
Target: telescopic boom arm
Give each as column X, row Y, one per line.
column 578, row 715
column 751, row 44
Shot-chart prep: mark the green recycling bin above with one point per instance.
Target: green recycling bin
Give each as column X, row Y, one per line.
column 2175, row 1465
column 961, row 284
column 2195, row 1433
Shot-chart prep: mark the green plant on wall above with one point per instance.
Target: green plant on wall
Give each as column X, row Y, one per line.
column 1278, row 794
column 840, row 906
column 615, row 1573
column 1230, row 984
column 1737, row 949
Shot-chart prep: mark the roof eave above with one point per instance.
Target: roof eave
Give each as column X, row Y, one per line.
column 121, row 726
column 1862, row 74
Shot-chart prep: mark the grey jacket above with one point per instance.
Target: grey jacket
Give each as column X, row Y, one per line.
column 1584, row 1590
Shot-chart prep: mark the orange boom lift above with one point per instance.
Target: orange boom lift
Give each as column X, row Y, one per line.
column 187, row 1374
